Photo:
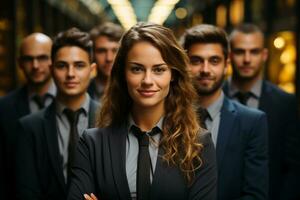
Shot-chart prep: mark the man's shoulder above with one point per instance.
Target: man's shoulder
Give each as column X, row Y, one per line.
column 274, row 90
column 11, row 97
column 241, row 109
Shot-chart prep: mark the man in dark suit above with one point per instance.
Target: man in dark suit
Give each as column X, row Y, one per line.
column 48, row 138
column 106, row 43
column 239, row 133
column 247, row 86
column 34, row 61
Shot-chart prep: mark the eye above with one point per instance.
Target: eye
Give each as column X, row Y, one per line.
column 160, row 69
column 195, row 60
column 136, row 69
column 238, row 51
column 215, row 60
column 80, row 65
column 60, row 65
column 255, row 51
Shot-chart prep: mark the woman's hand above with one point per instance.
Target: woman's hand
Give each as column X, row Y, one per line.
column 90, row 197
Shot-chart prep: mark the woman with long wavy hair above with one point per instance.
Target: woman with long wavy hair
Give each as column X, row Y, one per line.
column 148, row 144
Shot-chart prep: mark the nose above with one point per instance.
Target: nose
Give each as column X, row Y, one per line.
column 147, row 79
column 247, row 57
column 110, row 56
column 35, row 63
column 71, row 71
column 205, row 67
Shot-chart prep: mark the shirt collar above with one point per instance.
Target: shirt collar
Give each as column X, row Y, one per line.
column 255, row 90
column 132, row 123
column 86, row 106
column 50, row 92
column 216, row 106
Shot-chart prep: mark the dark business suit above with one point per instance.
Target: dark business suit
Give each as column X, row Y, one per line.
column 242, row 155
column 39, row 164
column 92, row 90
column 99, row 167
column 12, row 107
column 281, row 111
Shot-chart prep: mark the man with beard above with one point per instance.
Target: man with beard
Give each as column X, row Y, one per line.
column 106, row 43
column 239, row 133
column 38, row 92
column 247, row 86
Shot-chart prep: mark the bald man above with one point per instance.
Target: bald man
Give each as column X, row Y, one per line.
column 38, row 92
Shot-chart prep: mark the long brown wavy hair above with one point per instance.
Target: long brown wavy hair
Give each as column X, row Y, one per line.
column 180, row 137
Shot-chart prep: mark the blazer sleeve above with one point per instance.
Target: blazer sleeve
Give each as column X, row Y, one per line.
column 256, row 170
column 27, row 183
column 204, row 186
column 82, row 180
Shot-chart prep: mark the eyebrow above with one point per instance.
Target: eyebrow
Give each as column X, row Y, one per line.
column 156, row 65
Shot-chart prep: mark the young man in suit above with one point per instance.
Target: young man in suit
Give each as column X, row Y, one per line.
column 34, row 61
column 239, row 133
column 247, row 85
column 106, row 43
column 49, row 137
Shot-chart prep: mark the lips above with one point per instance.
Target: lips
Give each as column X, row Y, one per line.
column 71, row 84
column 147, row 93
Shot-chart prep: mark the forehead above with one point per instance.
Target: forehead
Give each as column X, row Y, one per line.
column 206, row 50
column 143, row 49
column 71, row 54
column 247, row 40
column 103, row 41
column 35, row 47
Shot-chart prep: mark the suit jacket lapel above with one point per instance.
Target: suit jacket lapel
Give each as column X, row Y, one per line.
column 92, row 113
column 227, row 121
column 264, row 104
column 22, row 103
column 52, row 143
column 117, row 142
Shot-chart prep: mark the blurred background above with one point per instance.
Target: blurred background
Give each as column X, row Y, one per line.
column 280, row 20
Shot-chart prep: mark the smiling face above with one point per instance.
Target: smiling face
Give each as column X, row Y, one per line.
column 208, row 65
column 147, row 76
column 71, row 71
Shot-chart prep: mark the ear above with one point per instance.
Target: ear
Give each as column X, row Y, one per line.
column 93, row 69
column 227, row 64
column 265, row 54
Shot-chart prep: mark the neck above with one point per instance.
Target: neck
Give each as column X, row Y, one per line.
column 39, row 89
column 206, row 100
column 147, row 118
column 71, row 102
column 101, row 79
column 243, row 84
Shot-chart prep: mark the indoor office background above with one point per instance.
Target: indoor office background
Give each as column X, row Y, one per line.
column 278, row 18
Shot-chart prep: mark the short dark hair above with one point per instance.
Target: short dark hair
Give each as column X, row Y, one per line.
column 113, row 31
column 204, row 34
column 246, row 28
column 72, row 37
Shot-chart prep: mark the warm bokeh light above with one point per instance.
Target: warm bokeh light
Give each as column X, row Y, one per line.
column 288, row 55
column 279, row 42
column 161, row 10
column 221, row 16
column 181, row 13
column 237, row 11
column 124, row 12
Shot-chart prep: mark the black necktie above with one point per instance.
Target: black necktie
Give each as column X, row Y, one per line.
column 144, row 163
column 243, row 97
column 40, row 101
column 204, row 115
column 72, row 117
